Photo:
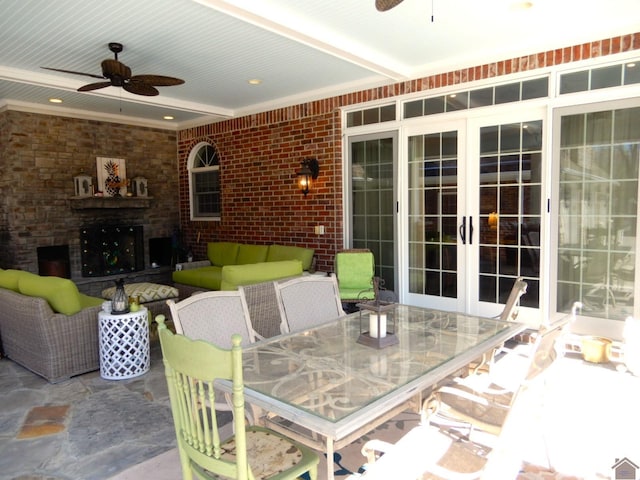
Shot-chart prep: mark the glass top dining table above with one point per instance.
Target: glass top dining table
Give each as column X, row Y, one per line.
column 324, row 388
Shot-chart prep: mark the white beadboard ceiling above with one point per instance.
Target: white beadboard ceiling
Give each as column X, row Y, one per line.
column 300, row 49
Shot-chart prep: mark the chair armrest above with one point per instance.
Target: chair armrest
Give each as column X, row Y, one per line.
column 192, row 265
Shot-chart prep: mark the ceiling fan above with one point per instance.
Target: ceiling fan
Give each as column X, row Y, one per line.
column 384, row 5
column 119, row 75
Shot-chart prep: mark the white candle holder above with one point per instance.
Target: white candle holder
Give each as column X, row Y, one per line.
column 377, row 324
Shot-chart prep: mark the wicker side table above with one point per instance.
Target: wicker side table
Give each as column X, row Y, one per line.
column 124, row 344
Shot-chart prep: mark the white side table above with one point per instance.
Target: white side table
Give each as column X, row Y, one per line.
column 124, row 344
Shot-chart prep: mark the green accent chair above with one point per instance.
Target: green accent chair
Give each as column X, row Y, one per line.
column 191, row 368
column 355, row 269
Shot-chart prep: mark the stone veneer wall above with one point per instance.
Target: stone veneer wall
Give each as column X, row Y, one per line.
column 39, row 156
column 260, row 153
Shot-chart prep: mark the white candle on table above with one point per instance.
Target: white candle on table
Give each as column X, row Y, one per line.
column 373, row 325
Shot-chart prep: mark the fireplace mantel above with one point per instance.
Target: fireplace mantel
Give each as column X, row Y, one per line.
column 84, row 203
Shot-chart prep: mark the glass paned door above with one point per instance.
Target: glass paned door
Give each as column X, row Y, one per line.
column 474, row 194
column 510, row 190
column 433, row 214
column 373, row 201
column 597, row 201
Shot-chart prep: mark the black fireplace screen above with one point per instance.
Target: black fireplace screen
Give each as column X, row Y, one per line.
column 110, row 250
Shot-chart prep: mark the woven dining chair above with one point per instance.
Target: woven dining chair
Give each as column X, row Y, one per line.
column 213, row 316
column 191, row 368
column 307, row 301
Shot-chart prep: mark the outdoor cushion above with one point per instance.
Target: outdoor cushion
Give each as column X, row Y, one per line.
column 144, row 291
column 286, row 252
column 61, row 293
column 9, row 279
column 208, row 278
column 252, row 254
column 235, row 275
column 222, row 253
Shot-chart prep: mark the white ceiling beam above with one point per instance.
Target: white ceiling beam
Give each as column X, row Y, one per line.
column 293, row 32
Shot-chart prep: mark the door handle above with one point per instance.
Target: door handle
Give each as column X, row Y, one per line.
column 470, row 230
column 463, row 230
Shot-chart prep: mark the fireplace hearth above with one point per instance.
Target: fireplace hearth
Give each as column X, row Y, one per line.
column 111, row 250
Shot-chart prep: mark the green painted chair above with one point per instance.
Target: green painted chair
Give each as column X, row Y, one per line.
column 355, row 269
column 191, row 367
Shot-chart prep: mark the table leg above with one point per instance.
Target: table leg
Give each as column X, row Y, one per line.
column 329, row 450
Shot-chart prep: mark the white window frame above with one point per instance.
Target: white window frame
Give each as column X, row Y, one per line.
column 193, row 171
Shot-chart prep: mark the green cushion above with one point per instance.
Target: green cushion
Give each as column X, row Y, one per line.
column 252, row 254
column 235, row 275
column 222, row 253
column 354, row 270
column 285, row 252
column 61, row 293
column 206, row 277
column 9, row 279
column 86, row 301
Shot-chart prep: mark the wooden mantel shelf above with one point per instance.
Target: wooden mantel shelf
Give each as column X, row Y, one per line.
column 85, row 203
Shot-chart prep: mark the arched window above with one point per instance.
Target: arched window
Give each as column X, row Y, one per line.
column 204, row 182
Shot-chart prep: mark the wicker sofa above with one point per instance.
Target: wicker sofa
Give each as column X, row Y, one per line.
column 53, row 344
column 231, row 264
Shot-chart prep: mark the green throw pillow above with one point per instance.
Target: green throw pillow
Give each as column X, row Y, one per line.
column 9, row 279
column 61, row 293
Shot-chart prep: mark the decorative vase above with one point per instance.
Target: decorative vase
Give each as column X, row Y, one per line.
column 120, row 301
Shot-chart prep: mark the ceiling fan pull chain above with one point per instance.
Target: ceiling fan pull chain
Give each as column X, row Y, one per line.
column 432, row 16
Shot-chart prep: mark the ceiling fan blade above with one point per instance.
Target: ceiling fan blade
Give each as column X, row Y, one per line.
column 384, row 5
column 157, row 80
column 140, row 88
column 94, row 86
column 75, row 73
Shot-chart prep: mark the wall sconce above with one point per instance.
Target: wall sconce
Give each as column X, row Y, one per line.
column 493, row 221
column 307, row 173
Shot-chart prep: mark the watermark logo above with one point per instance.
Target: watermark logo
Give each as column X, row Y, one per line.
column 625, row 469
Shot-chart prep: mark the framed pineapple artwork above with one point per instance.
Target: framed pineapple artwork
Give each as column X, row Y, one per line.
column 112, row 176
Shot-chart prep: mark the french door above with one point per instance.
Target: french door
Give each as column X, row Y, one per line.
column 474, row 209
column 596, row 197
column 372, row 201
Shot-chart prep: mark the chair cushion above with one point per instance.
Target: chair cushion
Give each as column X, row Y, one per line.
column 268, row 452
column 251, row 254
column 287, row 252
column 222, row 253
column 145, row 291
column 355, row 270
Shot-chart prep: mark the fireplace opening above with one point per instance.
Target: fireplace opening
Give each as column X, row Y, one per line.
column 53, row 261
column 111, row 250
column 160, row 251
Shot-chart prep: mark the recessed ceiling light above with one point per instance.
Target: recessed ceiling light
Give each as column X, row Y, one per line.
column 631, row 65
column 521, row 5
column 55, row 100
column 255, row 81
column 168, row 117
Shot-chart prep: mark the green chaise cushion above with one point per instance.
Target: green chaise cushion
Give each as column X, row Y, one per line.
column 235, row 275
column 286, row 252
column 9, row 279
column 252, row 254
column 208, row 278
column 61, row 293
column 222, row 253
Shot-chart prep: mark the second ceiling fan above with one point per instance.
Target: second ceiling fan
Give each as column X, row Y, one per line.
column 119, row 75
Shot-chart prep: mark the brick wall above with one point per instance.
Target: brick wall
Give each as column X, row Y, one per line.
column 260, row 154
column 40, row 154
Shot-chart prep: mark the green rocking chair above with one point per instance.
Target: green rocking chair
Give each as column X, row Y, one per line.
column 191, row 367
